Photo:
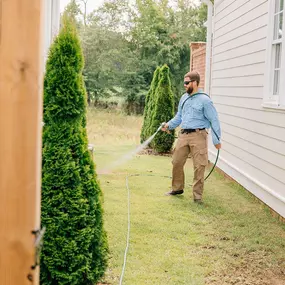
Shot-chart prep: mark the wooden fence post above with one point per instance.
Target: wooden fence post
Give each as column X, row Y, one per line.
column 20, row 138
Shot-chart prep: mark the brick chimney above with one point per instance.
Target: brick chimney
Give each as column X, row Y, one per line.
column 198, row 60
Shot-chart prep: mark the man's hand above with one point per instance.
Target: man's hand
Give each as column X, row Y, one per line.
column 165, row 128
column 218, row 146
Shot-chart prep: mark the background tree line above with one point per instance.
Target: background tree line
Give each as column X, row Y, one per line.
column 124, row 41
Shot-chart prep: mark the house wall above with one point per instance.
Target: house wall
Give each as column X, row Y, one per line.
column 253, row 138
column 51, row 23
column 198, row 60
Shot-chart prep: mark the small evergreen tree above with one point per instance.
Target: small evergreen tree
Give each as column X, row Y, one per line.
column 163, row 112
column 149, row 106
column 75, row 244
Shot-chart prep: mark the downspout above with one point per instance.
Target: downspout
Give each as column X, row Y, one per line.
column 209, row 45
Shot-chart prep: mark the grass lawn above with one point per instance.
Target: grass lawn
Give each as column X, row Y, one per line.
column 231, row 239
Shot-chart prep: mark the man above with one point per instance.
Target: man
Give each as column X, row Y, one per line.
column 196, row 113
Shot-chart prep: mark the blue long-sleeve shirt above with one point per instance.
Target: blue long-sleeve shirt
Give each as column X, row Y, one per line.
column 198, row 112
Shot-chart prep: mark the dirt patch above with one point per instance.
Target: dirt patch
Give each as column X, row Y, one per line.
column 275, row 280
column 247, row 279
column 250, row 270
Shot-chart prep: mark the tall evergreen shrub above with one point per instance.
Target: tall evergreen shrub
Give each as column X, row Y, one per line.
column 149, row 106
column 163, row 112
column 75, row 244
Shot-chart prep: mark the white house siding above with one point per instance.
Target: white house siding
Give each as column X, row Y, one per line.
column 253, row 138
column 51, row 23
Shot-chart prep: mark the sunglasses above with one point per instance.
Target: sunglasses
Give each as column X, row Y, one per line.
column 187, row 82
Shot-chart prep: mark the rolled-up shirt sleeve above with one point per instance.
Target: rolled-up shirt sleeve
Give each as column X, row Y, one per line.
column 211, row 114
column 176, row 121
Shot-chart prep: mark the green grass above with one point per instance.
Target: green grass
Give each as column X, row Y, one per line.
column 231, row 239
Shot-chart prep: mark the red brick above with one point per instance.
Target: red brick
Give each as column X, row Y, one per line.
column 198, row 60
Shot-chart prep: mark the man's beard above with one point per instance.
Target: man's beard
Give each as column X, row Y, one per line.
column 189, row 90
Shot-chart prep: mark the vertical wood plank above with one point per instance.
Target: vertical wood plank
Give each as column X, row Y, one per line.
column 20, row 137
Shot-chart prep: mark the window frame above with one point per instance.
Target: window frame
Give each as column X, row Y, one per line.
column 270, row 100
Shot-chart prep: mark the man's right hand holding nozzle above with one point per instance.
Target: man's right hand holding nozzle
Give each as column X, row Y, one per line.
column 165, row 127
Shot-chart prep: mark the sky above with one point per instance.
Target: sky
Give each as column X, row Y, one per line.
column 91, row 4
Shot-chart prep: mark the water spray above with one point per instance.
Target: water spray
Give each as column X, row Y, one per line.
column 129, row 155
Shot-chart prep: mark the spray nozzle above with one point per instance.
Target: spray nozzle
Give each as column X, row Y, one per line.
column 161, row 126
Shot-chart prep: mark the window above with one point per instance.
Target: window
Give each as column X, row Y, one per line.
column 274, row 88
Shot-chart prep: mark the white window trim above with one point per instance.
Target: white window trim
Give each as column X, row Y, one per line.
column 268, row 84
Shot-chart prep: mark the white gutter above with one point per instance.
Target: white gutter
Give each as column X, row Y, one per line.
column 209, row 45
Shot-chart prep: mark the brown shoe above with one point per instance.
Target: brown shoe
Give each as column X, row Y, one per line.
column 198, row 201
column 172, row 192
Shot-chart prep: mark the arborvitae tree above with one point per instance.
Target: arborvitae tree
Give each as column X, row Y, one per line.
column 75, row 244
column 149, row 106
column 163, row 112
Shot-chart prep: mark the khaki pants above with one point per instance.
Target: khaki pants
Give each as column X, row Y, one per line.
column 195, row 143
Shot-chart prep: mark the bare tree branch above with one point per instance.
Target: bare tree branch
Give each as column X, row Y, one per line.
column 85, row 11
